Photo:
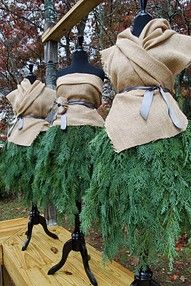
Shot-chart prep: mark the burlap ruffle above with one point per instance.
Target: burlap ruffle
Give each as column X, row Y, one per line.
column 155, row 58
column 31, row 104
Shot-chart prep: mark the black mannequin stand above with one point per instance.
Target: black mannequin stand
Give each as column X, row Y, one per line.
column 144, row 278
column 76, row 243
column 34, row 219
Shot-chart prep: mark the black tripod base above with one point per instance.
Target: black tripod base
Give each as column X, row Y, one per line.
column 144, row 278
column 79, row 246
column 76, row 243
column 36, row 218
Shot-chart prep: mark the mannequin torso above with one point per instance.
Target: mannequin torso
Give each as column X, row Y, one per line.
column 31, row 78
column 80, row 64
column 140, row 22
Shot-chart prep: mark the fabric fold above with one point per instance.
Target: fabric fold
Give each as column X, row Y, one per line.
column 31, row 104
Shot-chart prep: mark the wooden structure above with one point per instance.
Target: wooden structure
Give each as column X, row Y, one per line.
column 73, row 17
column 7, row 229
column 29, row 268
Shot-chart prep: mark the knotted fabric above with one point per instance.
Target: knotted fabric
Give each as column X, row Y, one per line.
column 31, row 104
column 81, row 93
column 140, row 116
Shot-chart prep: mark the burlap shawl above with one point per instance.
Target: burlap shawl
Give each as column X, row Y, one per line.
column 80, row 87
column 153, row 59
column 31, row 103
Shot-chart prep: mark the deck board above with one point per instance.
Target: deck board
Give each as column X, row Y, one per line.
column 30, row 267
column 10, row 227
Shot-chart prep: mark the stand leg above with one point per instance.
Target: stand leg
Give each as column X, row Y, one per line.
column 29, row 235
column 65, row 252
column 76, row 243
column 144, row 278
column 85, row 259
column 42, row 221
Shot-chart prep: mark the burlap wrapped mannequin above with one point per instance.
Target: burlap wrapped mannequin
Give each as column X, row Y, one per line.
column 31, row 103
column 140, row 193
column 67, row 157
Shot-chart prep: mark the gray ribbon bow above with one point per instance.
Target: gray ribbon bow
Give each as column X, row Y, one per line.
column 20, row 121
column 147, row 101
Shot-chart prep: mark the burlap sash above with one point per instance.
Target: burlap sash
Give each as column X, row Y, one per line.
column 79, row 87
column 153, row 59
column 31, row 104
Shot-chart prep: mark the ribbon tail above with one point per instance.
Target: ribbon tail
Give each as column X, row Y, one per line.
column 11, row 128
column 20, row 123
column 171, row 112
column 146, row 104
column 63, row 121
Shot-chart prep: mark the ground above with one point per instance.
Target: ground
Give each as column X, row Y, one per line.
column 180, row 276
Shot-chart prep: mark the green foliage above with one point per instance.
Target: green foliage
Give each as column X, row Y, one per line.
column 63, row 169
column 140, row 198
column 17, row 167
column 2, row 186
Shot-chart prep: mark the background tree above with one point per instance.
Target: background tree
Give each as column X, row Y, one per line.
column 21, row 27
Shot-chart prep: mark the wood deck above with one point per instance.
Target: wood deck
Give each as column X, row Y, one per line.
column 30, row 267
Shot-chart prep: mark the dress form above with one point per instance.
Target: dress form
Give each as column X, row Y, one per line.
column 141, row 19
column 31, row 76
column 79, row 88
column 80, row 64
column 126, row 178
column 31, row 113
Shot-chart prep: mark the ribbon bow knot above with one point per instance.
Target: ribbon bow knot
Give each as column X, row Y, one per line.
column 147, row 102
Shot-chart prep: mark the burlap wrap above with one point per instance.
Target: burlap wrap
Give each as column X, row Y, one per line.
column 155, row 58
column 80, row 86
column 31, row 102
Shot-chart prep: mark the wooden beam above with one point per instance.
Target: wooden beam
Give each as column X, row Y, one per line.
column 72, row 17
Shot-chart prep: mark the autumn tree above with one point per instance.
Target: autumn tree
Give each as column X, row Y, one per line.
column 21, row 27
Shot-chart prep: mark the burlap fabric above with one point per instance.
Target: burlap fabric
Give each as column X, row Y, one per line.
column 82, row 87
column 153, row 59
column 31, row 104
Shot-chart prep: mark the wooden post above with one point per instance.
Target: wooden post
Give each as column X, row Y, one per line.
column 51, row 59
column 51, row 46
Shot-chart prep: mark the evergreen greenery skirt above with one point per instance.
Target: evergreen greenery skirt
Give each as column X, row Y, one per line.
column 141, row 197
column 18, row 166
column 64, row 167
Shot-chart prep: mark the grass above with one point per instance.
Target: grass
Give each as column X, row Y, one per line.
column 11, row 208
